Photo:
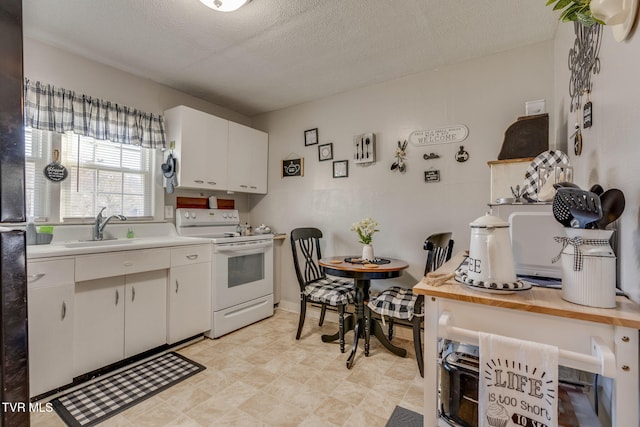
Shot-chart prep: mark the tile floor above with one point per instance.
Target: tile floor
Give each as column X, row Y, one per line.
column 261, row 376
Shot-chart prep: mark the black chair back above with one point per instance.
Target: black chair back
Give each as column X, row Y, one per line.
column 305, row 245
column 439, row 248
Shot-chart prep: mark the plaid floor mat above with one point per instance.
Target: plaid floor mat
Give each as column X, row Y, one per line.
column 105, row 398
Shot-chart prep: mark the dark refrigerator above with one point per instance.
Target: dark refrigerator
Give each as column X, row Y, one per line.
column 13, row 290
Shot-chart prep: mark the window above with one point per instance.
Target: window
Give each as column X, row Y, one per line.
column 101, row 173
column 37, row 186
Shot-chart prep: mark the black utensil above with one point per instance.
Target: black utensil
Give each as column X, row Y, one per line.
column 597, row 189
column 613, row 203
column 565, row 184
column 561, row 211
column 584, row 205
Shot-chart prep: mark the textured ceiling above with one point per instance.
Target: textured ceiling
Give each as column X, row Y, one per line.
column 273, row 54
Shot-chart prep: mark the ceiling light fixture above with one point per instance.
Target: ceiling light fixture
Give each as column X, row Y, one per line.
column 225, row 5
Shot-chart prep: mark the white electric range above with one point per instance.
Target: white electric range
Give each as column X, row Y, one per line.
column 241, row 268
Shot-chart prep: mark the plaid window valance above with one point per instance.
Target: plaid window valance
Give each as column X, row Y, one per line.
column 61, row 110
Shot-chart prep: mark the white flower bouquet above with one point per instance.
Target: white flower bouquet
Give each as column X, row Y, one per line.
column 365, row 229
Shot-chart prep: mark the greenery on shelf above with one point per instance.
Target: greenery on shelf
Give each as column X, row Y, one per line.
column 575, row 10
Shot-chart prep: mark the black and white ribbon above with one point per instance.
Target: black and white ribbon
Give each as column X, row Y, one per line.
column 576, row 242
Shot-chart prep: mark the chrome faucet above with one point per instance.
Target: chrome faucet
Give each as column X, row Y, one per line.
column 101, row 223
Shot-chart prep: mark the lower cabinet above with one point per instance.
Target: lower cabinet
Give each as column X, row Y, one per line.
column 99, row 323
column 90, row 311
column 145, row 311
column 189, row 293
column 50, row 300
column 118, row 317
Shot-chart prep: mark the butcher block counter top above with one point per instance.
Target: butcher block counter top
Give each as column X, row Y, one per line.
column 536, row 300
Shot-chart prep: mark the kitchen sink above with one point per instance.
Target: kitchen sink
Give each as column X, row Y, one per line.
column 97, row 243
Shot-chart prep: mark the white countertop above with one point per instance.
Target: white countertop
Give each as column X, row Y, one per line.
column 71, row 240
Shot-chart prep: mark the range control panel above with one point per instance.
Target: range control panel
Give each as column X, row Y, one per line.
column 206, row 217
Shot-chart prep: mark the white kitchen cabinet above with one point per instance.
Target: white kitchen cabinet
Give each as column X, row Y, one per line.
column 200, row 147
column 50, row 299
column 145, row 311
column 248, row 158
column 189, row 292
column 99, row 323
column 120, row 302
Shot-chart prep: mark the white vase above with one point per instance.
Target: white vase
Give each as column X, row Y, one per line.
column 367, row 252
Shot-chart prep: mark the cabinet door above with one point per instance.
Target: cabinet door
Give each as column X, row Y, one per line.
column 50, row 337
column 189, row 298
column 248, row 159
column 99, row 323
column 145, row 313
column 200, row 147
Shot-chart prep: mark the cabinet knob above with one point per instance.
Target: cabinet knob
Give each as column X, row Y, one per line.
column 128, row 263
column 212, row 183
column 117, row 297
column 177, row 286
column 198, row 181
column 64, row 310
column 133, row 293
column 244, row 186
column 192, row 257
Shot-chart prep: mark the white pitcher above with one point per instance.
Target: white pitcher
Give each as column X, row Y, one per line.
column 490, row 254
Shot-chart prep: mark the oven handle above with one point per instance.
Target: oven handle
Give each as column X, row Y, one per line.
column 243, row 247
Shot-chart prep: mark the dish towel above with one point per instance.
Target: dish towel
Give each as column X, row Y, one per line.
column 518, row 383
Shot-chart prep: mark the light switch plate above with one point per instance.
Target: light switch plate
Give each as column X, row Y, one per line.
column 168, row 212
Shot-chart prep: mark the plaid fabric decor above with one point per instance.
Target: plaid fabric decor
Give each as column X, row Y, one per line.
column 105, row 398
column 576, row 242
column 396, row 302
column 532, row 178
column 60, row 110
column 332, row 291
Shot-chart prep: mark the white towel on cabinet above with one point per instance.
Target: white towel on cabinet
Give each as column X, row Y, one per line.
column 518, row 383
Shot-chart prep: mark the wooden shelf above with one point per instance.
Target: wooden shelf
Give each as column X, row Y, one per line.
column 500, row 162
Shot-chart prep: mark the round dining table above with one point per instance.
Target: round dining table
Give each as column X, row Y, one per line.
column 362, row 273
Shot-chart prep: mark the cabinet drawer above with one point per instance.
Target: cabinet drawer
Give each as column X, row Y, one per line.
column 190, row 255
column 45, row 273
column 91, row 267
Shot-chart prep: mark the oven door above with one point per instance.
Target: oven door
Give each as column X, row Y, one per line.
column 241, row 271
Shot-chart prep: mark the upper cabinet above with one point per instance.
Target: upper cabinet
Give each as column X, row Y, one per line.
column 216, row 154
column 200, row 147
column 248, row 152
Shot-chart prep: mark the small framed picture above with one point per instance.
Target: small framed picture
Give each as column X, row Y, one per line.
column 311, row 136
column 341, row 168
column 293, row 167
column 325, row 151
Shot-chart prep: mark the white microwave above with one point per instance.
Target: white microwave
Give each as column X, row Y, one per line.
column 533, row 227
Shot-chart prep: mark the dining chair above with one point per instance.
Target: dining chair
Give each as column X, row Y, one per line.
column 401, row 304
column 315, row 286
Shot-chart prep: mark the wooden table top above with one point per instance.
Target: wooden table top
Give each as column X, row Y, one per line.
column 339, row 263
column 537, row 299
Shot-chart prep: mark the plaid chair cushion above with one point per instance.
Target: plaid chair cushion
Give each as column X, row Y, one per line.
column 396, row 302
column 332, row 291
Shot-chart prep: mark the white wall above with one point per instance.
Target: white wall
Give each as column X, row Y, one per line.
column 486, row 94
column 611, row 147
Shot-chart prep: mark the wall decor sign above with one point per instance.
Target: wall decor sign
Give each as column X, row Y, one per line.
column 340, row 168
column 293, row 167
column 432, row 176
column 457, row 133
column 364, row 148
column 462, row 155
column 325, row 152
column 311, row 136
column 54, row 171
column 583, row 62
